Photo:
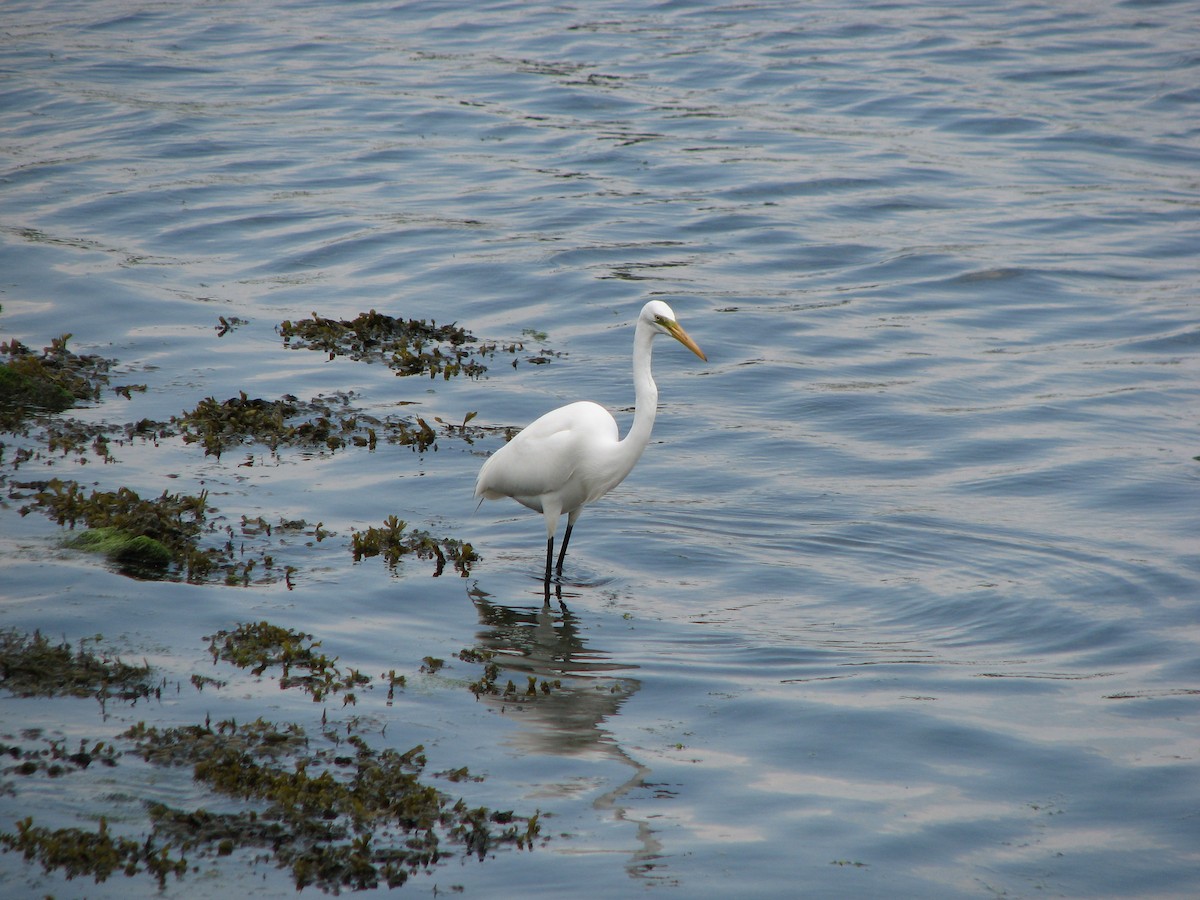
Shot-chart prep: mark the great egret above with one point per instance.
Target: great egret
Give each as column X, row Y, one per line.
column 573, row 455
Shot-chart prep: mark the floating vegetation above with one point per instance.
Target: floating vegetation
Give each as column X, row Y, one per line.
column 336, row 820
column 260, row 645
column 408, row 346
column 54, row 380
column 71, row 436
column 20, row 393
column 328, row 423
column 226, row 325
column 393, row 542
column 35, row 666
column 64, row 436
column 78, row 851
column 236, row 421
column 138, row 532
column 56, row 760
column 328, row 808
column 161, row 538
column 487, row 684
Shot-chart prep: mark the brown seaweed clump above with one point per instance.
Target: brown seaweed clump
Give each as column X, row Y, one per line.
column 393, row 542
column 51, row 381
column 327, row 807
column 35, row 666
column 323, row 423
column 408, row 346
column 260, row 645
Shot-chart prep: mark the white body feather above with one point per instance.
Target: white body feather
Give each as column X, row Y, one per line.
column 572, row 456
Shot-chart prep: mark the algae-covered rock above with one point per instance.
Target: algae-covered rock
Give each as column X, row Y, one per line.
column 19, row 391
column 134, row 554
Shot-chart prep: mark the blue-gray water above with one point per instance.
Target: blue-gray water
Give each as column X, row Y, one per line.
column 903, row 598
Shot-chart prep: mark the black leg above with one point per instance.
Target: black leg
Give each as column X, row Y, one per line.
column 549, row 557
column 561, row 553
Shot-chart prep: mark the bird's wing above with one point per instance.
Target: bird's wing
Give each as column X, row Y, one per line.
column 544, row 457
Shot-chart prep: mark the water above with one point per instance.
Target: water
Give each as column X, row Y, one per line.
column 901, row 600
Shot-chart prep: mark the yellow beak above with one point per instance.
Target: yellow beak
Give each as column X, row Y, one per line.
column 677, row 332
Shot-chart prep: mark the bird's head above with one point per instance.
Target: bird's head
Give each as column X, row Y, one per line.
column 662, row 319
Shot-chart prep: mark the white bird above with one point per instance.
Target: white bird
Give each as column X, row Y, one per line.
column 573, row 455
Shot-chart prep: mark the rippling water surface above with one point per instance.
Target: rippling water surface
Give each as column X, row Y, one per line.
column 904, row 597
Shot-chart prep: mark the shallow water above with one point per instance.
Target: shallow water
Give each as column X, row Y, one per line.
column 903, row 597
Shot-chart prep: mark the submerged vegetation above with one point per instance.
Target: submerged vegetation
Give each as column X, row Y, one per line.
column 326, row 806
column 261, row 645
column 322, row 800
column 393, row 542
column 172, row 536
column 337, row 816
column 162, row 537
column 35, row 666
column 78, row 851
column 323, row 423
column 143, row 537
column 51, row 381
column 487, row 684
column 408, row 346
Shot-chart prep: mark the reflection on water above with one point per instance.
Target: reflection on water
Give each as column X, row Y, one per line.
column 545, row 643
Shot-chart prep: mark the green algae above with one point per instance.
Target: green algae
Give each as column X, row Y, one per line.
column 172, row 522
column 134, row 554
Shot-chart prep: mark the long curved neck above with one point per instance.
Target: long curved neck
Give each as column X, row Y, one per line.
column 645, row 394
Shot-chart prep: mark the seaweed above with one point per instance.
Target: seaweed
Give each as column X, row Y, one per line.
column 408, row 346
column 134, row 554
column 35, row 666
column 52, row 381
column 333, row 811
column 260, row 645
column 170, row 524
column 56, row 760
column 78, row 851
column 393, row 542
column 487, row 682
column 324, row 423
column 411, row 347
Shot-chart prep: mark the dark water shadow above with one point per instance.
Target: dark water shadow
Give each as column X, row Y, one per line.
column 545, row 642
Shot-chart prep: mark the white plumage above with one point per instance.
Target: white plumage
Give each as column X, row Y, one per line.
column 573, row 455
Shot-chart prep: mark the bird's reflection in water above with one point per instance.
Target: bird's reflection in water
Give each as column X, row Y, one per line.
column 543, row 642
